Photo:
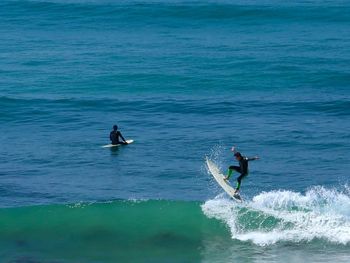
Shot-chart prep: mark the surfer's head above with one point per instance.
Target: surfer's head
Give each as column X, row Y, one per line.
column 115, row 127
column 238, row 155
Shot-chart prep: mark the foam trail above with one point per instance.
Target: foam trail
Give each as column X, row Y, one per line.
column 271, row 217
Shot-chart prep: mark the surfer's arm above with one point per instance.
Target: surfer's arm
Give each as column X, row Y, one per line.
column 121, row 136
column 233, row 149
column 253, row 158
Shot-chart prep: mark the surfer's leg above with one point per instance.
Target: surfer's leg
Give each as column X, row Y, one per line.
column 229, row 173
column 239, row 180
column 231, row 169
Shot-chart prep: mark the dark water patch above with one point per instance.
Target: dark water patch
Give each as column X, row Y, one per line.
column 109, row 12
column 39, row 16
column 335, row 108
column 32, row 109
column 25, row 260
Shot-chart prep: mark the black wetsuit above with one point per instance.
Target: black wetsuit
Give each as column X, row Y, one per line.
column 114, row 137
column 242, row 169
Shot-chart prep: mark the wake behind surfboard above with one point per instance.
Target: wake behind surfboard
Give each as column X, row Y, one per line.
column 219, row 177
column 116, row 145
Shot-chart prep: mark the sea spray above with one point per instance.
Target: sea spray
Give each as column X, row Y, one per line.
column 276, row 216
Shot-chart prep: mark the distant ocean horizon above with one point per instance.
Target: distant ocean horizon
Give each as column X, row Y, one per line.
column 186, row 80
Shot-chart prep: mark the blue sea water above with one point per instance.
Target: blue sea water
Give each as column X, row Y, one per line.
column 185, row 80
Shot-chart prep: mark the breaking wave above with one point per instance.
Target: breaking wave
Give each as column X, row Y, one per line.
column 278, row 216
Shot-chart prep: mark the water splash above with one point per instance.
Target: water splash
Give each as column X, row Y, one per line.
column 276, row 216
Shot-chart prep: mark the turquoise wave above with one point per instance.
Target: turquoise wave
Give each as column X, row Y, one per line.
column 179, row 231
column 127, row 231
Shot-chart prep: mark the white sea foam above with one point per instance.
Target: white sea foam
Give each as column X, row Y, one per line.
column 282, row 215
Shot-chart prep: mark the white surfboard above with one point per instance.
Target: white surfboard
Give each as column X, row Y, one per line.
column 219, row 177
column 116, row 145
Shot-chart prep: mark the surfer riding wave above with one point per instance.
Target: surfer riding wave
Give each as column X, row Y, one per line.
column 242, row 168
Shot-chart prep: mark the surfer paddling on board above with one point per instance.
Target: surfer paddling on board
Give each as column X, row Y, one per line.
column 114, row 136
column 242, row 168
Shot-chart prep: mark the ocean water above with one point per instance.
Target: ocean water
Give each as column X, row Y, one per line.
column 186, row 80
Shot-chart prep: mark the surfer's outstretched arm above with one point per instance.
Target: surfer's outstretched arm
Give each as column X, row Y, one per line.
column 233, row 149
column 253, row 158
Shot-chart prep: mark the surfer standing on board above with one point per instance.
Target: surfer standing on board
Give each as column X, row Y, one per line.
column 242, row 168
column 114, row 136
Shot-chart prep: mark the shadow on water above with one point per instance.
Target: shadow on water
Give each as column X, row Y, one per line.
column 114, row 150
